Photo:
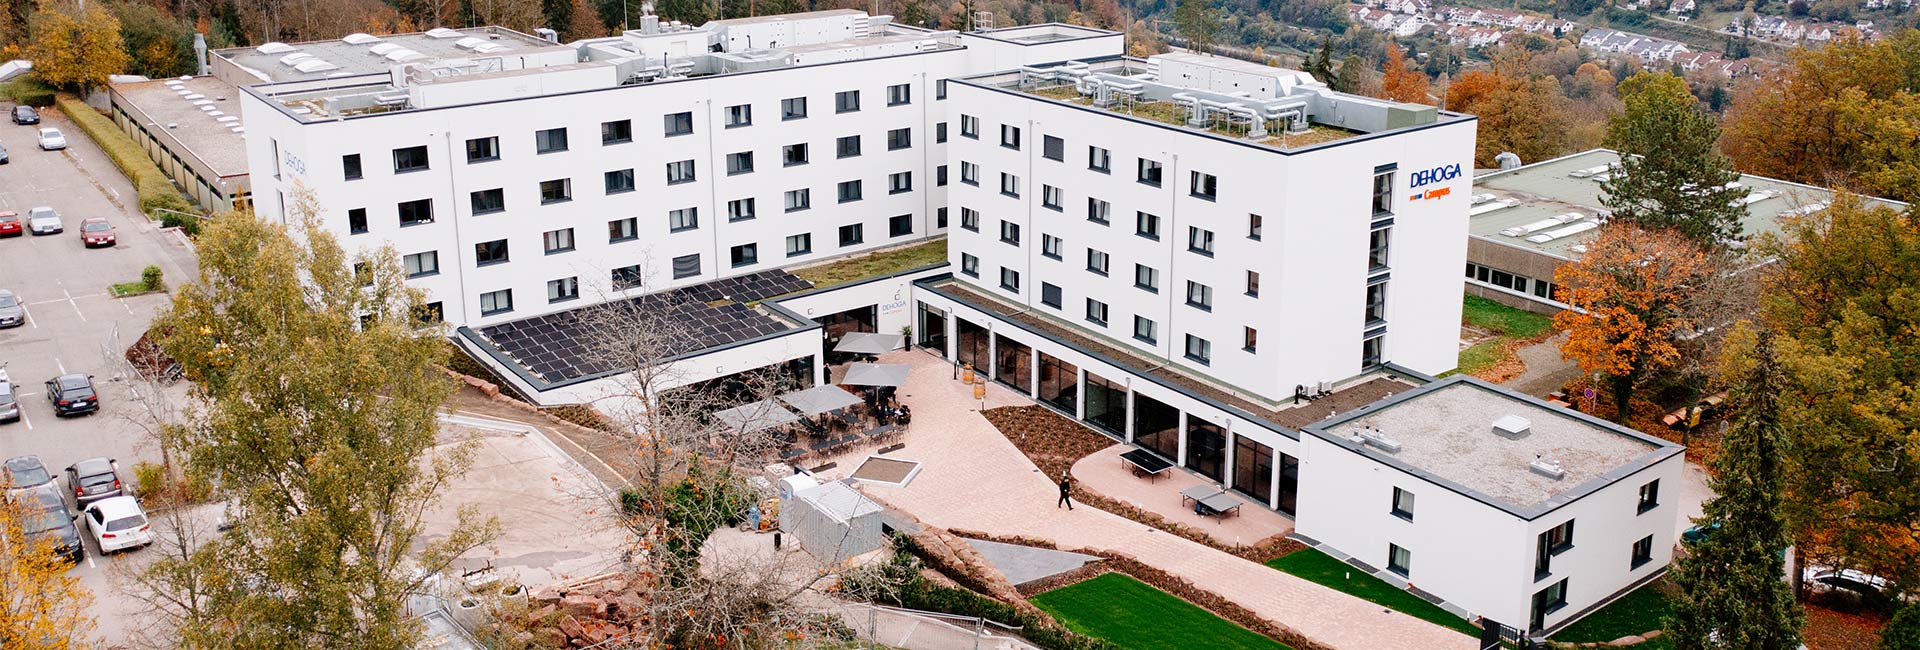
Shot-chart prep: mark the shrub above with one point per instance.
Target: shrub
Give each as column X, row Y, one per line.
column 30, row 91
column 150, row 277
column 149, row 479
column 155, row 189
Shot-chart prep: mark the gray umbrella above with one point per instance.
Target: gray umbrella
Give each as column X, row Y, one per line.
column 820, row 399
column 748, row 418
column 876, row 374
column 868, row 343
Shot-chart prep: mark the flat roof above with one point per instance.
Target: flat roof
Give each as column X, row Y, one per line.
column 173, row 106
column 1446, row 434
column 1550, row 188
column 354, row 58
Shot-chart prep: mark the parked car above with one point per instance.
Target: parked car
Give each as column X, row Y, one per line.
column 9, row 400
column 10, row 224
column 24, row 473
column 3, row 156
column 94, row 479
column 25, row 115
column 44, row 221
column 1871, row 590
column 72, row 394
column 97, row 231
column 51, row 139
column 117, row 524
column 12, row 312
column 48, row 518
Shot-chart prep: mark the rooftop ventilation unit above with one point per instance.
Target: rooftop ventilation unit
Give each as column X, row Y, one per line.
column 1543, row 224
column 381, row 49
column 275, row 47
column 1568, row 231
column 358, row 38
column 1547, row 468
column 1378, row 438
column 1495, row 206
column 442, row 32
column 1512, row 427
column 315, row 65
column 1583, row 173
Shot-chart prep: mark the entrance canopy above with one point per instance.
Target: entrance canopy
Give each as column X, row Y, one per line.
column 756, row 416
column 820, row 399
column 868, row 343
column 876, row 374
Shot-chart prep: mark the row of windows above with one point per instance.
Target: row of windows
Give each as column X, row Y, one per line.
column 1513, row 282
column 1201, row 185
column 1144, row 329
column 553, row 242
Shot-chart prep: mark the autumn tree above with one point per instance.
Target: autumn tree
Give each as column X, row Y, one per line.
column 583, row 23
column 1199, row 24
column 158, row 45
column 317, row 420
column 1670, row 177
column 1629, row 295
column 520, row 15
column 1401, row 83
column 76, row 48
column 1519, row 112
column 1731, row 596
column 42, row 606
column 1837, row 111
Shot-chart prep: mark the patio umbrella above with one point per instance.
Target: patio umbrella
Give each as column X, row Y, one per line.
column 820, row 399
column 868, row 343
column 764, row 414
column 876, row 374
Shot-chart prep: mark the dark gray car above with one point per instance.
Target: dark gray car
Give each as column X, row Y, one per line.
column 24, row 473
column 47, row 517
column 12, row 312
column 93, row 479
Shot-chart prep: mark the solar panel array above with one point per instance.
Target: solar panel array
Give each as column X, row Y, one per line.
column 555, row 347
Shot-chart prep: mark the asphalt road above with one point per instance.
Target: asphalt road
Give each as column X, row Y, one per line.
column 74, row 323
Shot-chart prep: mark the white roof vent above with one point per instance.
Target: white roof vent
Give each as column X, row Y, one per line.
column 1548, row 468
column 469, row 42
column 1378, row 438
column 1512, row 426
column 442, row 32
column 275, row 47
column 315, row 65
column 404, row 54
column 358, row 38
column 381, row 49
column 1583, row 173
column 295, row 57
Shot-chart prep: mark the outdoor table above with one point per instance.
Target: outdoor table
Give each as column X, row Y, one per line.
column 1221, row 504
column 1145, row 463
column 1199, row 493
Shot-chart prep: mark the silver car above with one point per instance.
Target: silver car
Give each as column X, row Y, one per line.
column 51, row 139
column 44, row 221
column 12, row 312
column 9, row 400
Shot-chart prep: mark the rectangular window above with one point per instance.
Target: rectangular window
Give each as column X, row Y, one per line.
column 496, row 302
column 794, row 154
column 1555, row 541
column 686, row 266
column 740, row 115
column 618, row 181
column 483, row 149
column 1377, row 249
column 1010, row 232
column 898, row 182
column 1200, row 240
column 680, row 172
column 1009, row 279
column 898, row 139
column 1383, row 194
column 740, row 209
column 409, row 159
column 626, row 277
column 1403, row 504
column 490, row 252
column 899, row 95
column 969, row 173
column 849, row 191
column 416, row 212
column 357, row 221
column 1204, row 186
column 744, row 255
column 1097, row 261
column 488, row 201
column 847, row 146
column 1376, row 302
column 350, row 166
column 1097, row 312
column 550, row 140
column 1253, row 284
column 969, row 127
column 678, row 123
column 1546, row 602
column 853, row 234
column 1373, row 351
column 616, row 132
column 1642, row 553
column 1146, row 225
column 1010, row 185
column 619, row 230
column 1143, row 329
column 740, row 163
column 940, row 133
column 1052, row 197
column 940, row 217
column 1050, row 246
column 1146, row 277
column 800, row 244
column 900, row 225
column 800, row 199
column 1199, row 296
column 940, row 176
column 683, row 219
column 557, row 241
column 432, row 313
column 1149, row 172
column 970, row 219
column 1251, row 340
column 1254, row 224
column 940, row 89
column 1010, row 136
column 1053, row 148
column 969, row 265
column 563, row 289
column 1649, row 496
column 422, row 264
column 793, row 108
column 1399, row 560
column 1199, row 349
column 556, row 191
column 1099, row 160
column 846, row 101
column 1050, row 295
column 1099, row 211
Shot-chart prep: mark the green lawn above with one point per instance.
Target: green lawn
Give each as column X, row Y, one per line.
column 1321, row 568
column 1134, row 615
column 877, row 264
column 1643, row 610
column 1504, row 320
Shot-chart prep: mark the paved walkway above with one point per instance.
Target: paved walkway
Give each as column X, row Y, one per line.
column 1546, row 371
column 974, row 479
column 1104, row 473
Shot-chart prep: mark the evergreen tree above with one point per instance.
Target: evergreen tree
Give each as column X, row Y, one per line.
column 559, row 14
column 692, row 12
column 1199, row 24
column 1320, row 63
column 1671, row 177
column 1732, row 592
column 1352, row 77
column 1903, row 632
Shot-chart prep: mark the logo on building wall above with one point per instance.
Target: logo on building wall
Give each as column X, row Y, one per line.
column 1427, row 177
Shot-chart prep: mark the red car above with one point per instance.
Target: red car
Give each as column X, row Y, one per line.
column 9, row 224
column 97, row 232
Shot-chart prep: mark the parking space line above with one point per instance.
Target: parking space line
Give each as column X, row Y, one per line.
column 75, row 305
column 90, row 563
column 63, row 367
column 24, row 418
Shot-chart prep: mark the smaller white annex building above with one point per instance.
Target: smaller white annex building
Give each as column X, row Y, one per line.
column 1490, row 502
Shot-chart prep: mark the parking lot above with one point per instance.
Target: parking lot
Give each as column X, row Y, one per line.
column 74, row 323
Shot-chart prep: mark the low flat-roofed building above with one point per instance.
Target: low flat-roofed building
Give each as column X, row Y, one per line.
column 1526, row 222
column 191, row 127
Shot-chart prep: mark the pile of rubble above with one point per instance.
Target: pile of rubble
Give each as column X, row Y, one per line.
column 583, row 613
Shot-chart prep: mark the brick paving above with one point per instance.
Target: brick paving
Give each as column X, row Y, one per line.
column 974, row 479
column 1103, row 472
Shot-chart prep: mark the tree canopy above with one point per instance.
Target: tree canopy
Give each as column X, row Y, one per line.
column 75, row 48
column 1670, row 177
column 1629, row 294
column 1401, row 83
column 43, row 606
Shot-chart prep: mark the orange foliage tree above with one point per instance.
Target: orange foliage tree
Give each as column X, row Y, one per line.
column 1629, row 294
column 1818, row 122
column 1401, row 83
column 1519, row 112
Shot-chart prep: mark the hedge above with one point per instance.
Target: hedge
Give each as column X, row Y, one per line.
column 28, row 90
column 155, row 189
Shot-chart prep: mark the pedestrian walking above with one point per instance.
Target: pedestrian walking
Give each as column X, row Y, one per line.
column 1066, row 487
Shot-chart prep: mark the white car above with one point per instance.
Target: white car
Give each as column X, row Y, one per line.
column 44, row 221
column 51, row 139
column 117, row 524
